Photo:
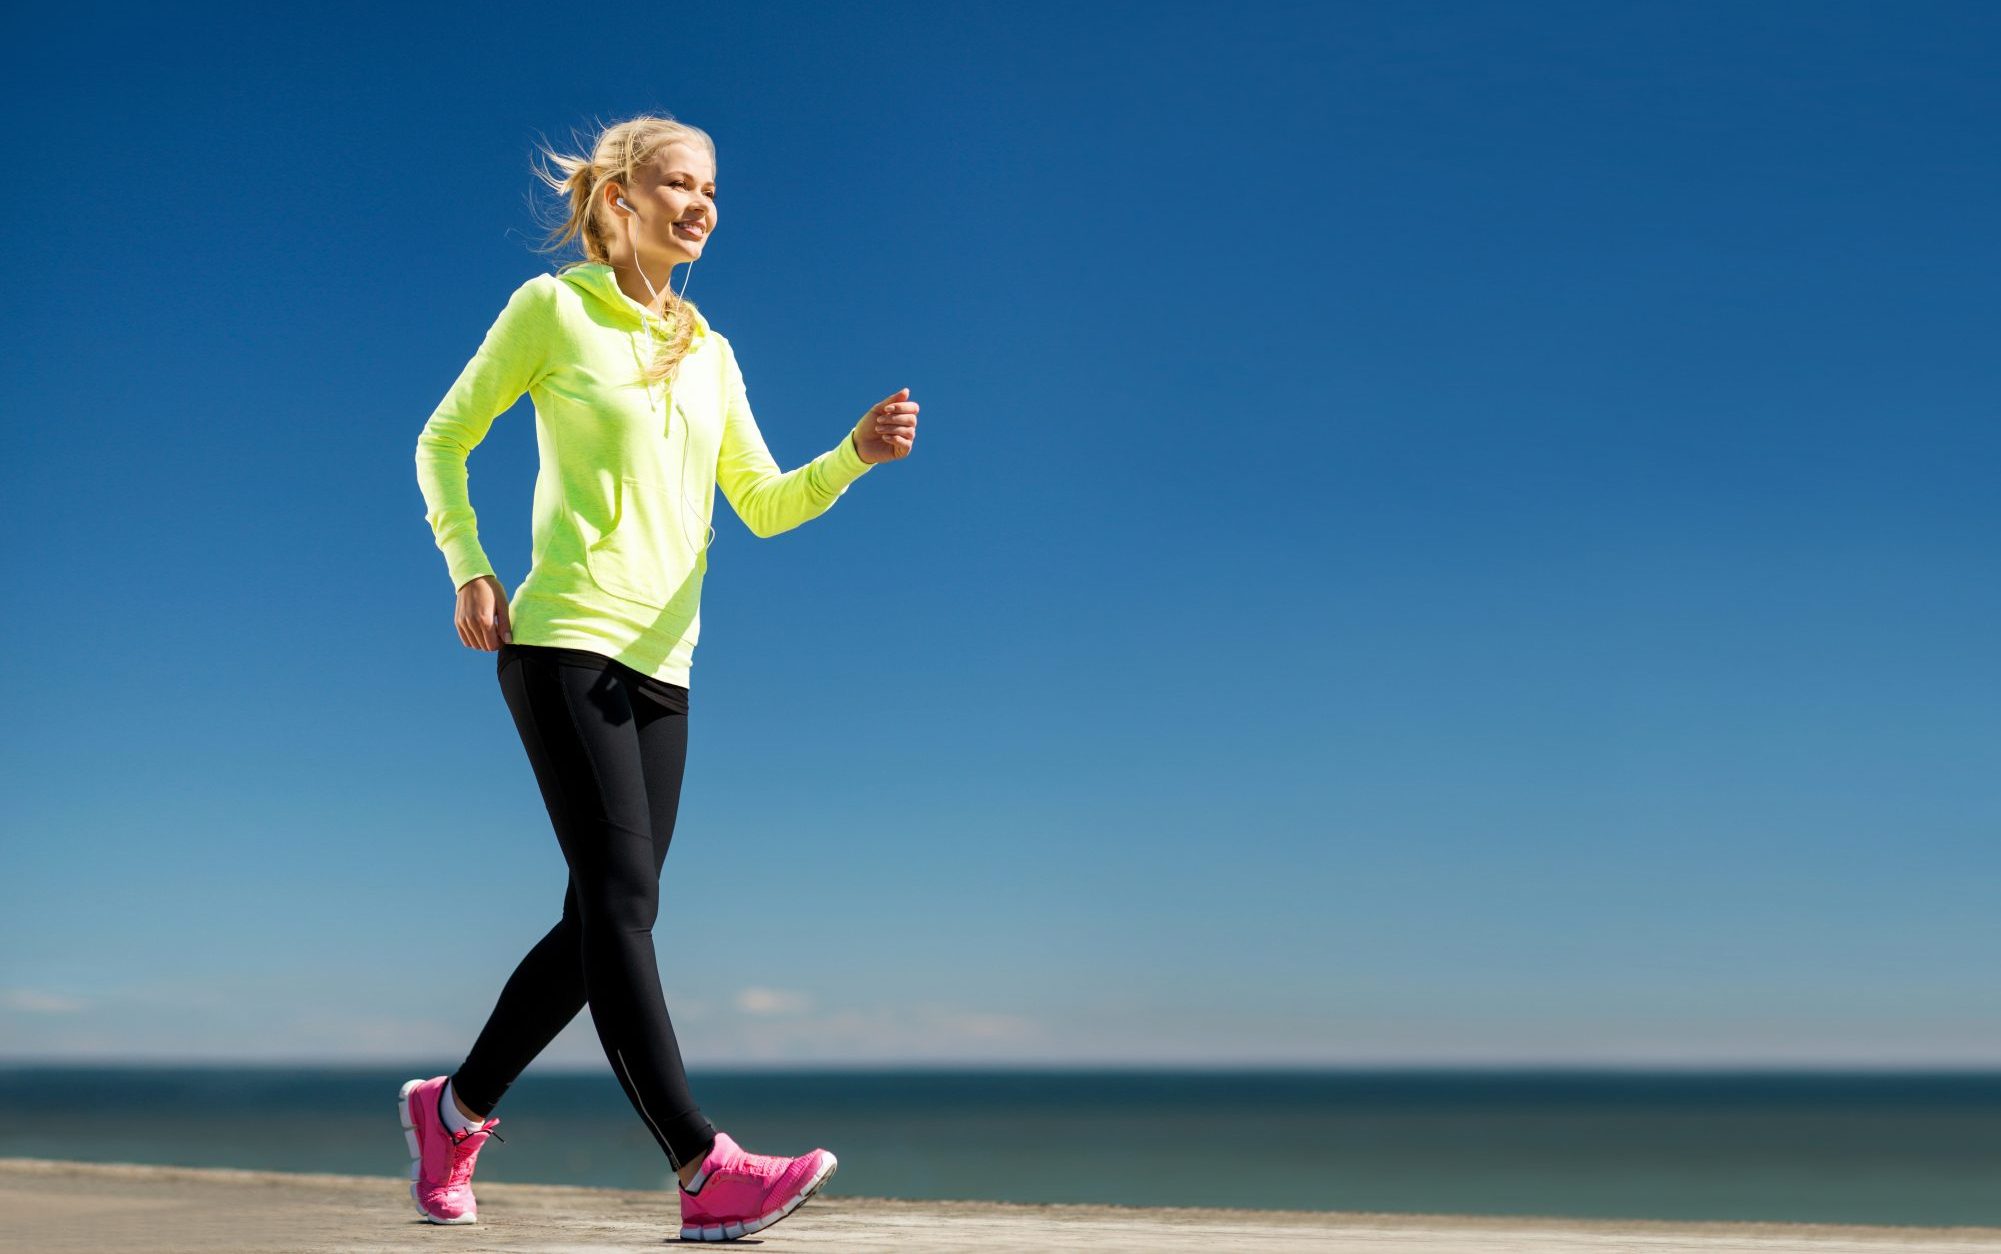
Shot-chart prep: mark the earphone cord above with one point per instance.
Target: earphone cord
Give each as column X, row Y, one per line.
column 642, row 271
column 687, row 437
column 687, row 433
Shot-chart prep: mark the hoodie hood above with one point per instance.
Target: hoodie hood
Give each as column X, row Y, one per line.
column 598, row 281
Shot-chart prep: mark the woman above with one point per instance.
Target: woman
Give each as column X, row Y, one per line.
column 640, row 413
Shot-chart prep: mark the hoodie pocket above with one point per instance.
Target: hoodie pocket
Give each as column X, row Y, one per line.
column 640, row 558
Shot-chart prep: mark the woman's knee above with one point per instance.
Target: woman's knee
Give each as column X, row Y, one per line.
column 628, row 899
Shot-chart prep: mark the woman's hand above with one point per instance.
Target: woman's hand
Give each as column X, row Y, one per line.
column 887, row 431
column 482, row 614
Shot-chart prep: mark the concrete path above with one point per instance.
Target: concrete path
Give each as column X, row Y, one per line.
column 49, row 1205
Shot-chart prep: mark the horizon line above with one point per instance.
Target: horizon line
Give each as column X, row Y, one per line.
column 1791, row 1067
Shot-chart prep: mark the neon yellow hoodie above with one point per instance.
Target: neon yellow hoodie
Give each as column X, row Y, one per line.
column 628, row 475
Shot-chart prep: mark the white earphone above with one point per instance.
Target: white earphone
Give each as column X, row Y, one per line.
column 634, row 213
column 687, row 434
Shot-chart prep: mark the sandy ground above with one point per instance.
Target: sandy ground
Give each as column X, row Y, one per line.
column 50, row 1205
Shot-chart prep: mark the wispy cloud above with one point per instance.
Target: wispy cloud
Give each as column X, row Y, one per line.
column 771, row 1001
column 30, row 1001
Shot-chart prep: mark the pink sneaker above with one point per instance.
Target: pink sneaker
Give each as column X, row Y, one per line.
column 746, row 1192
column 440, row 1160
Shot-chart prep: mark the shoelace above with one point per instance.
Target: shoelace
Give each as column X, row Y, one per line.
column 462, row 1156
column 759, row 1164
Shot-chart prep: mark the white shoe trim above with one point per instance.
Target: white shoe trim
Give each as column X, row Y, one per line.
column 417, row 1158
column 714, row 1232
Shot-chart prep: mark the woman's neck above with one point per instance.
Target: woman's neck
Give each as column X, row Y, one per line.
column 629, row 281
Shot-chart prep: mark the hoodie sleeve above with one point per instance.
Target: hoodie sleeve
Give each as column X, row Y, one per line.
column 512, row 358
column 767, row 501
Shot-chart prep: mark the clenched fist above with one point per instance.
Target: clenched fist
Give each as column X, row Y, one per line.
column 888, row 429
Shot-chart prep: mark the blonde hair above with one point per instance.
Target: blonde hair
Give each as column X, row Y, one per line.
column 618, row 150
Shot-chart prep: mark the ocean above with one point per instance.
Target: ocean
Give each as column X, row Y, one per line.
column 1919, row 1148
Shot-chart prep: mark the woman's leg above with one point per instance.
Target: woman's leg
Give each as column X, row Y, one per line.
column 596, row 771
column 663, row 751
column 538, row 1001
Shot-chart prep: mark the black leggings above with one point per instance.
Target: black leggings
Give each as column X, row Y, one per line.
column 608, row 745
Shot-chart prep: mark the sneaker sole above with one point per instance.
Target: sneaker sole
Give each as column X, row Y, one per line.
column 417, row 1157
column 731, row 1231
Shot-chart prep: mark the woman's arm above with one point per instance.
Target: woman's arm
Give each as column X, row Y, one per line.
column 770, row 502
column 512, row 357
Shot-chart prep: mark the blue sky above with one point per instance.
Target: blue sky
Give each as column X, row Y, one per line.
column 1440, row 533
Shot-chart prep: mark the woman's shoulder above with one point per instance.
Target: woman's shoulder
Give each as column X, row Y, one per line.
column 535, row 294
column 542, row 284
column 548, row 299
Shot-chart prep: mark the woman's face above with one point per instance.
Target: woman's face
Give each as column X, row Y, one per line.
column 675, row 196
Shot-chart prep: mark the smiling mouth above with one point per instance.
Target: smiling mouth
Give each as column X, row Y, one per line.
column 690, row 230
